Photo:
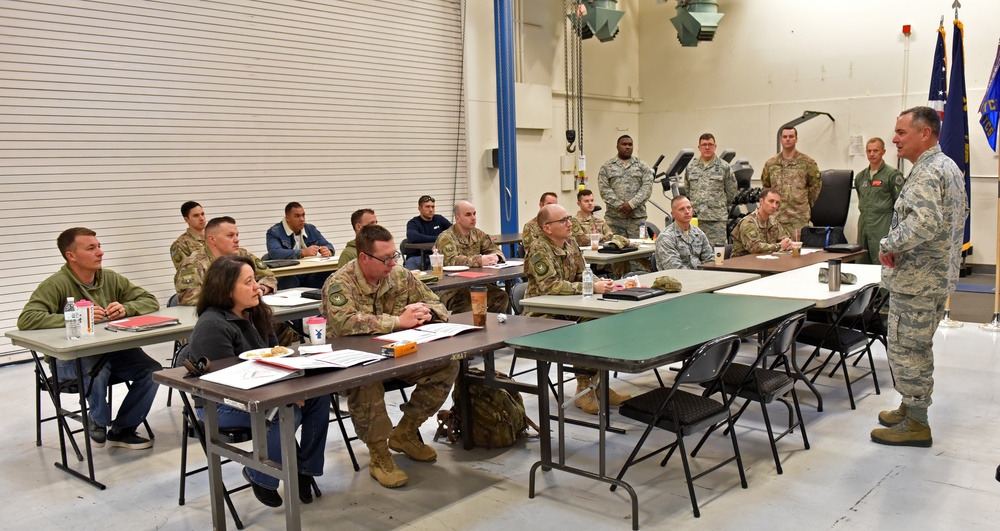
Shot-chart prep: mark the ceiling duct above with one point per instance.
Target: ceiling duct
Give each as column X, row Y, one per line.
column 600, row 19
column 696, row 21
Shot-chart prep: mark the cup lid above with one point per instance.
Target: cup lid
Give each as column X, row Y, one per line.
column 84, row 303
column 316, row 319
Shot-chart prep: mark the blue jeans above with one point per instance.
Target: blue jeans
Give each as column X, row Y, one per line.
column 131, row 365
column 415, row 262
column 314, row 418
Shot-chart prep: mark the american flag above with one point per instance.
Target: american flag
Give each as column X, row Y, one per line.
column 939, row 73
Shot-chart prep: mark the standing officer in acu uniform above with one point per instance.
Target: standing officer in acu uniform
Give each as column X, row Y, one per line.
column 878, row 186
column 711, row 188
column 920, row 256
column 625, row 184
column 795, row 176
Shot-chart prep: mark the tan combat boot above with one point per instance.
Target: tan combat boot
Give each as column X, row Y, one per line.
column 615, row 398
column 906, row 433
column 383, row 468
column 404, row 440
column 892, row 417
column 588, row 401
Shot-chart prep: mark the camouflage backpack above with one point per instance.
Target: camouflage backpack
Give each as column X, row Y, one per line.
column 498, row 417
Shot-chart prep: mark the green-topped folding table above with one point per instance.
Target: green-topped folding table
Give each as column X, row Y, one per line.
column 637, row 341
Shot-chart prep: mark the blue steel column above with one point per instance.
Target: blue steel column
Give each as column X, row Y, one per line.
column 506, row 130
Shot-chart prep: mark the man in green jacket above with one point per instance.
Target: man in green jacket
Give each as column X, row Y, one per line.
column 114, row 297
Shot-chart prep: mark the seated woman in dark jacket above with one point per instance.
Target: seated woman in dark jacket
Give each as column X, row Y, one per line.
column 233, row 319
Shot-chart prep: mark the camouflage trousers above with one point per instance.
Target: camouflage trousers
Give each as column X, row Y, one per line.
column 715, row 230
column 460, row 300
column 367, row 403
column 790, row 227
column 627, row 227
column 912, row 323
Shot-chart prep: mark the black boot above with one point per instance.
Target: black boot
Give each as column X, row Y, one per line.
column 264, row 495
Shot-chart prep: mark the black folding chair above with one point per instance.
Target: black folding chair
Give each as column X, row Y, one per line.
column 755, row 383
column 684, row 413
column 846, row 337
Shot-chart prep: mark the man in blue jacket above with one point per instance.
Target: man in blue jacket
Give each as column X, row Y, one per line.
column 292, row 238
column 424, row 228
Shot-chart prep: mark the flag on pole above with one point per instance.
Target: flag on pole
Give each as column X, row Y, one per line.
column 989, row 109
column 939, row 72
column 955, row 126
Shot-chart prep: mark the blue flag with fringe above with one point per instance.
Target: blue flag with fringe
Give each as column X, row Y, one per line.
column 989, row 109
column 955, row 126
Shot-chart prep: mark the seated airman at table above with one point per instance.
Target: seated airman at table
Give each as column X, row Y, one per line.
column 193, row 238
column 233, row 319
column 222, row 238
column 83, row 278
column 292, row 238
column 531, row 230
column 759, row 231
column 555, row 267
column 465, row 245
column 373, row 294
column 361, row 217
column 682, row 245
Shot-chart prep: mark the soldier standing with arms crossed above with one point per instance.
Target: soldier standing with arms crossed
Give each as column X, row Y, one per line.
column 625, row 184
column 920, row 256
column 795, row 176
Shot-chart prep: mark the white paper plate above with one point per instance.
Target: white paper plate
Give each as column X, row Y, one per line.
column 264, row 353
column 454, row 268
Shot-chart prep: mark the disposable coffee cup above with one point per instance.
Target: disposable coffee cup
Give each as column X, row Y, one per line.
column 720, row 254
column 86, row 312
column 316, row 327
column 478, row 294
column 595, row 241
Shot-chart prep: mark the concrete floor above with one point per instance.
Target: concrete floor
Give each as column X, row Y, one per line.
column 844, row 481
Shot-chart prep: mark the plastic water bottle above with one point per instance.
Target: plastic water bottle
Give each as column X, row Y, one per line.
column 72, row 317
column 588, row 282
column 642, row 230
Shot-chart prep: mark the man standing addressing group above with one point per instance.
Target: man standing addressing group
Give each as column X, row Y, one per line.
column 373, row 295
column 83, row 278
column 682, row 245
column 293, row 238
column 878, row 186
column 625, row 184
column 711, row 187
column 555, row 267
column 423, row 228
column 465, row 245
column 920, row 255
column 795, row 176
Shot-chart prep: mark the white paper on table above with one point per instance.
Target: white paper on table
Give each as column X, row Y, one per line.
column 340, row 359
column 315, row 349
column 508, row 263
column 428, row 332
column 290, row 298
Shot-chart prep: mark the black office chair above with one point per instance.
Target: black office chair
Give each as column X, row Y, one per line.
column 845, row 337
column 684, row 413
column 755, row 383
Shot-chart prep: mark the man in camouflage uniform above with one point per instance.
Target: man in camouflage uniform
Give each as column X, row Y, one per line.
column 920, row 259
column 361, row 217
column 625, row 184
column 465, row 245
column 222, row 238
column 531, row 230
column 681, row 245
column 878, row 186
column 586, row 223
column 711, row 188
column 555, row 267
column 796, row 177
column 374, row 295
column 758, row 231
column 193, row 238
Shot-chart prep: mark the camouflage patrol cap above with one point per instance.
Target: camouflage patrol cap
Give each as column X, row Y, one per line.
column 619, row 240
column 845, row 278
column 667, row 283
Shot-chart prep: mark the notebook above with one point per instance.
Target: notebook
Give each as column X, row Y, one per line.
column 142, row 322
column 609, row 249
column 281, row 263
column 634, row 294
